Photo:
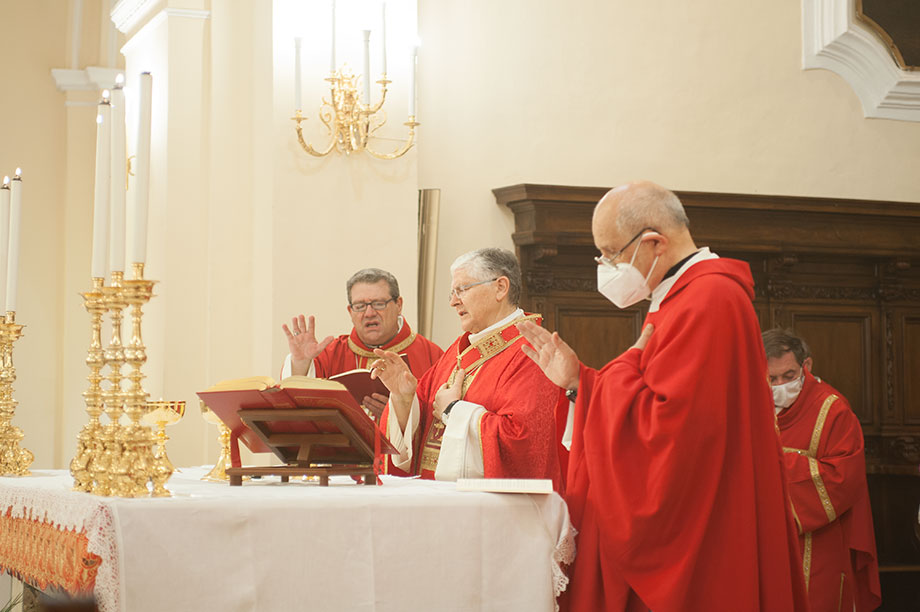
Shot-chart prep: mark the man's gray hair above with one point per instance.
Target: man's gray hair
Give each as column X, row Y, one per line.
column 654, row 207
column 372, row 276
column 489, row 263
column 777, row 342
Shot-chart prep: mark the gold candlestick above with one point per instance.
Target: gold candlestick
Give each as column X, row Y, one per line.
column 89, row 441
column 14, row 461
column 118, row 480
column 138, row 292
column 219, row 472
column 162, row 414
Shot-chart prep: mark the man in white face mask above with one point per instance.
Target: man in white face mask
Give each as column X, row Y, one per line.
column 675, row 479
column 826, row 471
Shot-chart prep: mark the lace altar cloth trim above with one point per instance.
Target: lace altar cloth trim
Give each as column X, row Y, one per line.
column 54, row 524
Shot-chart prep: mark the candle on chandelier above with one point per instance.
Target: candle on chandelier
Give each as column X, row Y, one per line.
column 332, row 54
column 367, row 67
column 413, row 61
column 103, row 176
column 118, row 179
column 12, row 273
column 4, row 235
column 142, row 171
column 383, row 37
column 297, row 42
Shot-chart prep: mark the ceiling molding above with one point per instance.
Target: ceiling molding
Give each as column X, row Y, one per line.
column 833, row 39
column 93, row 78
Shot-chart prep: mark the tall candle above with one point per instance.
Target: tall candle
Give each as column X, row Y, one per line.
column 119, row 178
column 367, row 67
column 383, row 37
column 142, row 170
column 103, row 175
column 4, row 235
column 332, row 54
column 12, row 273
column 297, row 74
column 412, row 79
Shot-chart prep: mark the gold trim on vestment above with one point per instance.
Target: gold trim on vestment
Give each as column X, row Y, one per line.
column 357, row 350
column 812, row 454
column 806, row 559
column 795, row 516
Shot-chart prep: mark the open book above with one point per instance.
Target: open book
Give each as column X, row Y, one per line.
column 314, row 407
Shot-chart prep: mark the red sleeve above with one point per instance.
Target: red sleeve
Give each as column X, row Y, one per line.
column 824, row 487
column 518, row 429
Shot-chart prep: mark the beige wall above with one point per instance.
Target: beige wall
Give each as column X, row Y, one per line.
column 705, row 96
column 246, row 230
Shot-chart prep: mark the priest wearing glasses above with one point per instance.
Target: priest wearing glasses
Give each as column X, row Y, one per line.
column 375, row 308
column 485, row 409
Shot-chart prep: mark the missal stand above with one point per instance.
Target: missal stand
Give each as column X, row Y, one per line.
column 314, row 426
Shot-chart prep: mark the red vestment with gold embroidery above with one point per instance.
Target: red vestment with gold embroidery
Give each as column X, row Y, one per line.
column 517, row 430
column 826, row 471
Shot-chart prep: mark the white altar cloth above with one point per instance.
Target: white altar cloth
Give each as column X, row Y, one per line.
column 267, row 546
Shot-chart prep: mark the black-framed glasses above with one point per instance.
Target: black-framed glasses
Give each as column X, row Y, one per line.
column 464, row 288
column 376, row 305
column 609, row 261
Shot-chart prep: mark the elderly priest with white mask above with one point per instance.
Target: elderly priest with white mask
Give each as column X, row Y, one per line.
column 484, row 409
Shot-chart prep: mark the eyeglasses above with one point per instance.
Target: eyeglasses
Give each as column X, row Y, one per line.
column 464, row 288
column 376, row 305
column 609, row 261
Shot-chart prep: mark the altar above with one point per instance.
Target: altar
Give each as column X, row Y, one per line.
column 407, row 545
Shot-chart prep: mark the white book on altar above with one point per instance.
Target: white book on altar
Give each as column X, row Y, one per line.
column 506, row 485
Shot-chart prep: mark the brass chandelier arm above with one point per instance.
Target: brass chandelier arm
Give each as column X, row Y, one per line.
column 303, row 143
column 401, row 150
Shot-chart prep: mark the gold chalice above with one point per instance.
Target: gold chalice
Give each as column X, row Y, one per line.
column 161, row 414
column 219, row 472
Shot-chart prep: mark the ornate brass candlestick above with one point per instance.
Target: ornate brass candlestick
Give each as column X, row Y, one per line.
column 162, row 414
column 219, row 472
column 14, row 461
column 138, row 292
column 89, row 441
column 117, row 480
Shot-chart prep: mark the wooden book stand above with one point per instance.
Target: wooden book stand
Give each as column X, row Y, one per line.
column 332, row 447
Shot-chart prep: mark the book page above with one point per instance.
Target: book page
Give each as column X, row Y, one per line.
column 506, row 485
column 258, row 383
column 305, row 382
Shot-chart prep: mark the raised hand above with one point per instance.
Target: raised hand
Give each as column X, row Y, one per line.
column 556, row 358
column 395, row 374
column 302, row 343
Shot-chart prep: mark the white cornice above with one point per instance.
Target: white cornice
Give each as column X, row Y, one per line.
column 832, row 39
column 129, row 15
column 92, row 78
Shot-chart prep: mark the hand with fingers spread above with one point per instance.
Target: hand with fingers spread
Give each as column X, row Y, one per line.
column 395, row 374
column 302, row 344
column 375, row 402
column 556, row 358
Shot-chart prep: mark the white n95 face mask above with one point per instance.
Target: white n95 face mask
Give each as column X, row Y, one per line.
column 785, row 395
column 622, row 283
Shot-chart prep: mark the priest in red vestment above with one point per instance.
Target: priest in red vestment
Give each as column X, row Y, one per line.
column 484, row 409
column 675, row 478
column 826, row 471
column 375, row 308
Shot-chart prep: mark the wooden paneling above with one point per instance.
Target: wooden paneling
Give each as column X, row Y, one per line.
column 845, row 274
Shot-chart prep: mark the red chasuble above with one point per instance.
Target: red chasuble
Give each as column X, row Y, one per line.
column 518, row 430
column 675, row 477
column 826, row 470
column 349, row 353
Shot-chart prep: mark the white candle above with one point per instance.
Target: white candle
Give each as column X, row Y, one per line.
column 119, row 172
column 4, row 235
column 383, row 37
column 103, row 175
column 142, row 169
column 367, row 67
column 297, row 74
column 412, row 79
column 12, row 273
column 332, row 54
